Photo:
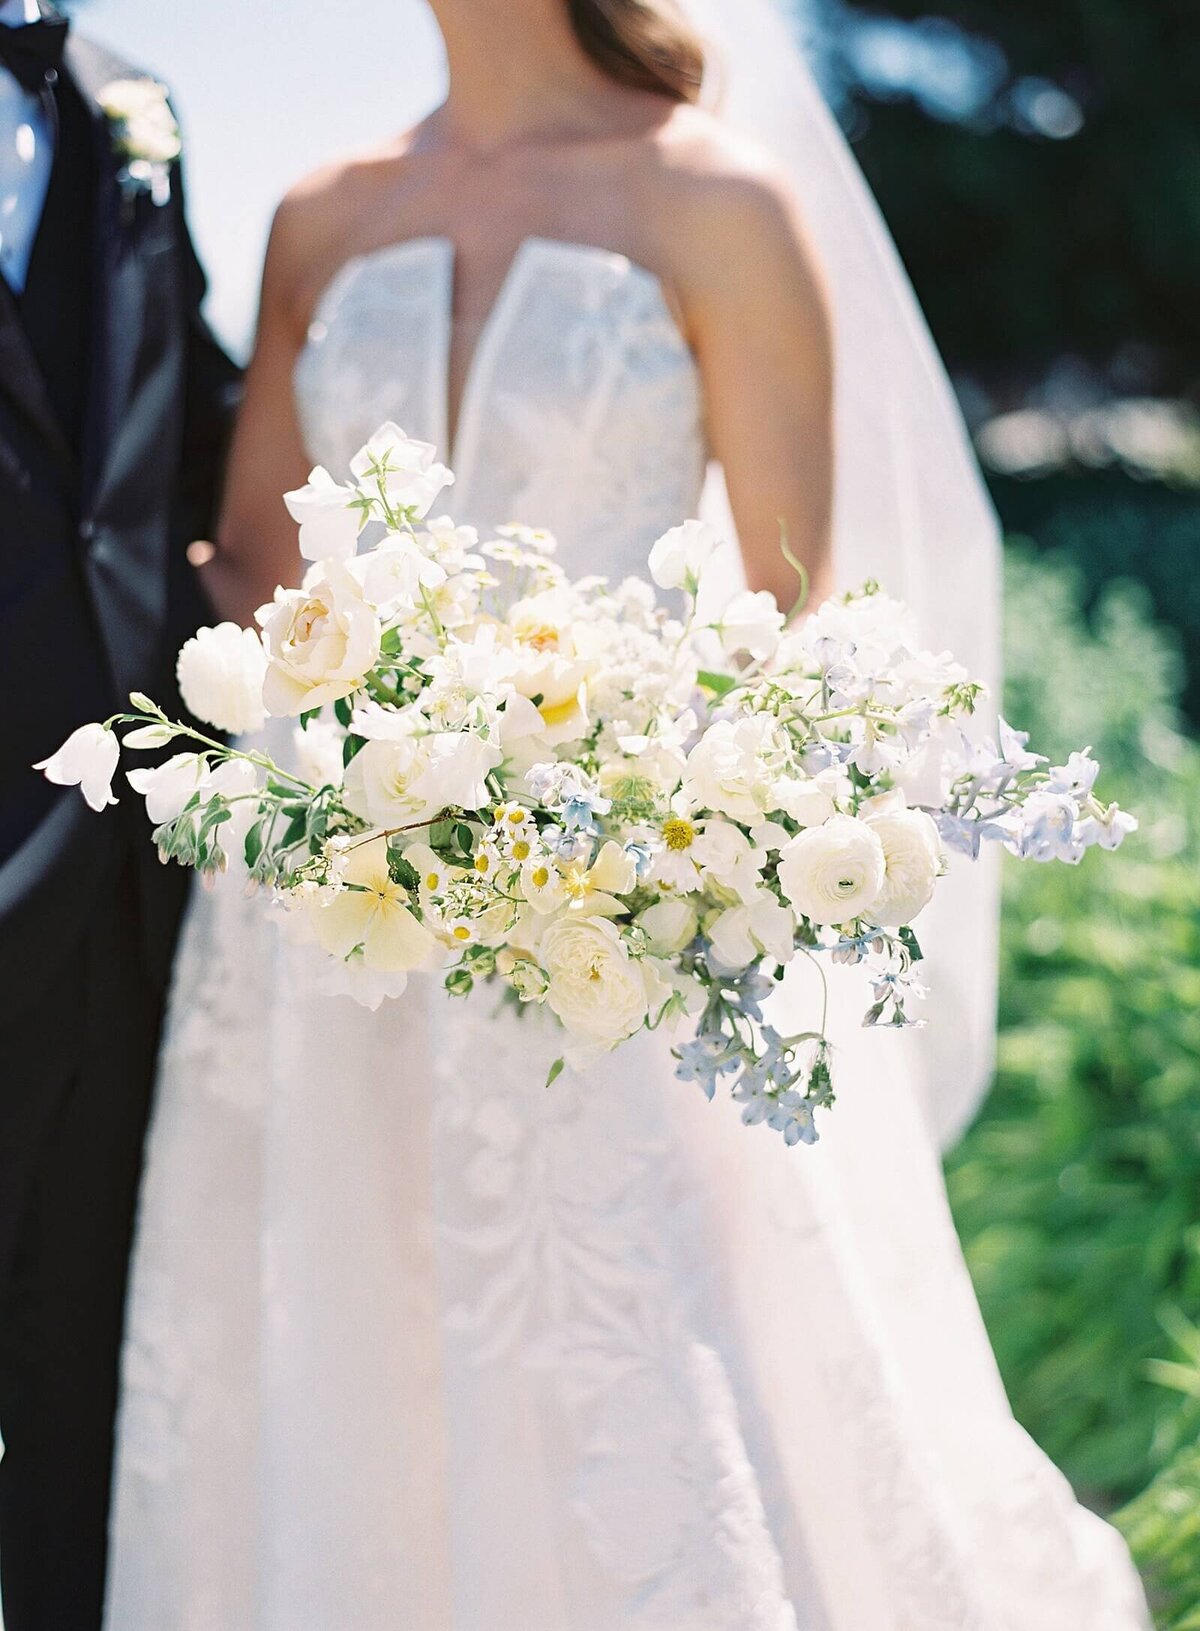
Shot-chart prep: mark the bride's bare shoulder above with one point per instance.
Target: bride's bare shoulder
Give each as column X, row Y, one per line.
column 723, row 199
column 330, row 215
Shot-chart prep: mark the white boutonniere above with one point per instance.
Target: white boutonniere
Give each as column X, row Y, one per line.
column 144, row 134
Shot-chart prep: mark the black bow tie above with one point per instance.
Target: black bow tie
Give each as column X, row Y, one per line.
column 33, row 51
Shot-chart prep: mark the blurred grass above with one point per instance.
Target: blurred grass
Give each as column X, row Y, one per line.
column 1078, row 1192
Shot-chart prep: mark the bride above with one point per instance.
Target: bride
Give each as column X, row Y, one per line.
column 415, row 1342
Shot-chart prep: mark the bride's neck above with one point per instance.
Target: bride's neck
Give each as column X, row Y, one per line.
column 517, row 72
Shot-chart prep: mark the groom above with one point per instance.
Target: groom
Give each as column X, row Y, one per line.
column 114, row 400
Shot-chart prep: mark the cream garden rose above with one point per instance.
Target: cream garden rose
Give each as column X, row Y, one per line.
column 322, row 641
column 600, row 993
column 835, row 872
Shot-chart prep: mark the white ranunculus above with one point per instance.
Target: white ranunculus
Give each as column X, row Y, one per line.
column 373, row 916
column 751, row 622
column 679, row 556
column 221, row 673
column 88, row 760
column 598, row 991
column 834, row 872
column 411, row 476
column 329, row 528
column 322, row 640
column 400, row 781
column 912, row 854
column 167, row 787
column 670, row 925
column 726, row 771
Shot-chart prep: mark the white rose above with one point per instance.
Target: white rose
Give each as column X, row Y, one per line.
column 322, row 641
column 408, row 469
column 598, row 991
column 679, row 556
column 751, row 622
column 670, row 925
column 220, row 673
column 329, row 528
column 87, row 760
column 834, row 872
column 912, row 854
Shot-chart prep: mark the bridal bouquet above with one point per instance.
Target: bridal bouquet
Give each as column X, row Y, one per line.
column 623, row 814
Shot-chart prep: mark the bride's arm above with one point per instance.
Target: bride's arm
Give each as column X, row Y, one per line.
column 759, row 319
column 255, row 547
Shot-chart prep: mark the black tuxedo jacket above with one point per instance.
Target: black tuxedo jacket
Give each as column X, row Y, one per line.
column 95, row 590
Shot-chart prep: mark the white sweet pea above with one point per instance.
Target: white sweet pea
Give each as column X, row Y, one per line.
column 834, row 872
column 726, row 856
column 88, row 760
column 322, row 640
column 407, row 470
column 221, row 673
column 761, row 927
column 808, row 800
column 394, row 574
column 751, row 622
column 318, row 752
column 912, row 856
column 167, row 787
column 669, row 925
column 678, row 558
column 329, row 528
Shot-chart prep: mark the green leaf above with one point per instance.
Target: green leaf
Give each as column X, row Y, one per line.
column 343, row 710
column 556, row 1070
column 719, row 684
column 253, row 847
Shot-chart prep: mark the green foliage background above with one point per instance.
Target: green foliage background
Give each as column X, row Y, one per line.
column 1078, row 1192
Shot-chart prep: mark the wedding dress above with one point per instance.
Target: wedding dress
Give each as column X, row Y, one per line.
column 416, row 1342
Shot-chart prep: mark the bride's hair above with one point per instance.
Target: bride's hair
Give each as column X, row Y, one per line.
column 643, row 43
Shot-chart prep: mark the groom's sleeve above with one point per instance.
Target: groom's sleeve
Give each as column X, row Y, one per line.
column 212, row 390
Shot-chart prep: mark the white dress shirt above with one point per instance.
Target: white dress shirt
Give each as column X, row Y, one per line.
column 26, row 155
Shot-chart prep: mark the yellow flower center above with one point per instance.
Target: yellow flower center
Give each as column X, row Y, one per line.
column 431, row 881
column 541, row 877
column 679, row 833
column 520, row 850
column 482, row 864
column 461, row 932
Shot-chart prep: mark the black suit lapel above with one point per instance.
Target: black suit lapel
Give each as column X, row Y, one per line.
column 120, row 273
column 21, row 378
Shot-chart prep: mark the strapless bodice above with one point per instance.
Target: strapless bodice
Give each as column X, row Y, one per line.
column 581, row 409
